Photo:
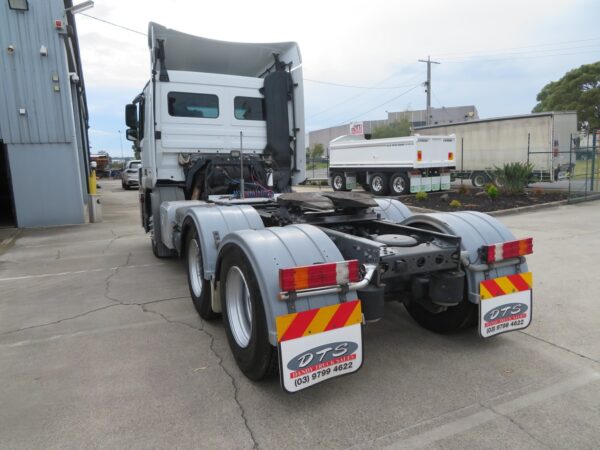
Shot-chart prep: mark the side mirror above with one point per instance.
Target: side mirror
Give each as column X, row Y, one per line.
column 131, row 134
column 131, row 118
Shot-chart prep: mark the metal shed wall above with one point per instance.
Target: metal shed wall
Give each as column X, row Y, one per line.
column 47, row 166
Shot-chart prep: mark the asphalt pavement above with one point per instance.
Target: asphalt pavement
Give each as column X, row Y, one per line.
column 100, row 346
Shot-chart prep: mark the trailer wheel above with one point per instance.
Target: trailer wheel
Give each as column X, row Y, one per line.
column 244, row 316
column 379, row 183
column 399, row 183
column 199, row 287
column 479, row 179
column 453, row 319
column 338, row 182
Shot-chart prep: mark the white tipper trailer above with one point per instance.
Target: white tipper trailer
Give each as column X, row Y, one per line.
column 399, row 165
column 296, row 276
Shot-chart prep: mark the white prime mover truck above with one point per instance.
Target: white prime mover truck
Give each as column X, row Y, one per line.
column 296, row 276
column 399, row 165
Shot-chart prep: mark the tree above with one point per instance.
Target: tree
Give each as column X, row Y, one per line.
column 398, row 128
column 578, row 90
column 317, row 151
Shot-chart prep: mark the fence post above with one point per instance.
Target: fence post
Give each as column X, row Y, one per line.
column 572, row 170
column 528, row 143
column 462, row 159
column 593, row 161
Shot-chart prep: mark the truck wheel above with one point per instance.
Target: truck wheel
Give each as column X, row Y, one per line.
column 199, row 287
column 399, row 184
column 159, row 249
column 338, row 182
column 379, row 184
column 453, row 319
column 479, row 179
column 124, row 186
column 244, row 317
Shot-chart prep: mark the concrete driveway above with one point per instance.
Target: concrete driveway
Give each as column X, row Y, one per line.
column 100, row 347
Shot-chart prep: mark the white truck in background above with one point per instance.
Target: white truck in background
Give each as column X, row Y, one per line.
column 296, row 276
column 393, row 166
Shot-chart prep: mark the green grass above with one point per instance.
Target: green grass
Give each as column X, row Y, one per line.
column 317, row 165
column 583, row 169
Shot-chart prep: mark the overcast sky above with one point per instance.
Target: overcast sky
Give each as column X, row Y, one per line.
column 495, row 55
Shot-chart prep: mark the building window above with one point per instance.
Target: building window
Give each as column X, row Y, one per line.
column 249, row 108
column 18, row 5
column 187, row 104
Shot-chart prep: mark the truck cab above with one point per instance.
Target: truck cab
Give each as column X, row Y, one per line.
column 217, row 118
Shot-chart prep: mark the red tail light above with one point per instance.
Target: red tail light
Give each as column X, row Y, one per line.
column 318, row 275
column 419, row 155
column 506, row 250
column 451, row 156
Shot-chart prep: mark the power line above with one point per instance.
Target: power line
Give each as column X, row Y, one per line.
column 484, row 55
column 329, row 83
column 518, row 48
column 113, row 24
column 354, row 97
column 380, row 105
column 521, row 57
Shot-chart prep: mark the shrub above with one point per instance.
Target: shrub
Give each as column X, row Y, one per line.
column 514, row 177
column 421, row 196
column 492, row 192
column 463, row 189
column 455, row 203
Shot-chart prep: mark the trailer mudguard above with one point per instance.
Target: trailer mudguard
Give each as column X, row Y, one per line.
column 214, row 222
column 392, row 210
column 274, row 248
column 475, row 229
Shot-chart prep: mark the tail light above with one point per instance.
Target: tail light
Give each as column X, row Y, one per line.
column 419, row 155
column 506, row 250
column 318, row 275
column 451, row 156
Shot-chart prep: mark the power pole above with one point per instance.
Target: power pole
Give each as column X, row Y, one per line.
column 428, row 86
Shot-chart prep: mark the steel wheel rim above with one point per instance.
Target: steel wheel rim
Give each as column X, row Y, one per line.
column 337, row 182
column 239, row 308
column 377, row 184
column 398, row 185
column 479, row 180
column 195, row 268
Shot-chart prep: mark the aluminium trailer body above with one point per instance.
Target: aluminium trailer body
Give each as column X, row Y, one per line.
column 397, row 165
column 542, row 139
column 296, row 276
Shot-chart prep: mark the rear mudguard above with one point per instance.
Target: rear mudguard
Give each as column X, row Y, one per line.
column 475, row 229
column 274, row 248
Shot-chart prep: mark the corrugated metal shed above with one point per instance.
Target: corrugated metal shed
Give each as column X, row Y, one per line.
column 29, row 79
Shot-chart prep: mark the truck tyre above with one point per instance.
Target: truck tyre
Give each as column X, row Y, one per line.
column 379, row 184
column 399, row 184
column 453, row 319
column 159, row 249
column 338, row 182
column 479, row 179
column 199, row 287
column 244, row 316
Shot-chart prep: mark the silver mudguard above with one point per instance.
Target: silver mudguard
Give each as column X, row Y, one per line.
column 214, row 222
column 274, row 248
column 392, row 210
column 475, row 229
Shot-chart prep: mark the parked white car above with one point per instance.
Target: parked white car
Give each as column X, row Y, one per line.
column 131, row 174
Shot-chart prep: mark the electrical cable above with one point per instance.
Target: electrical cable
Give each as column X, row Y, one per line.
column 381, row 104
column 112, row 23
